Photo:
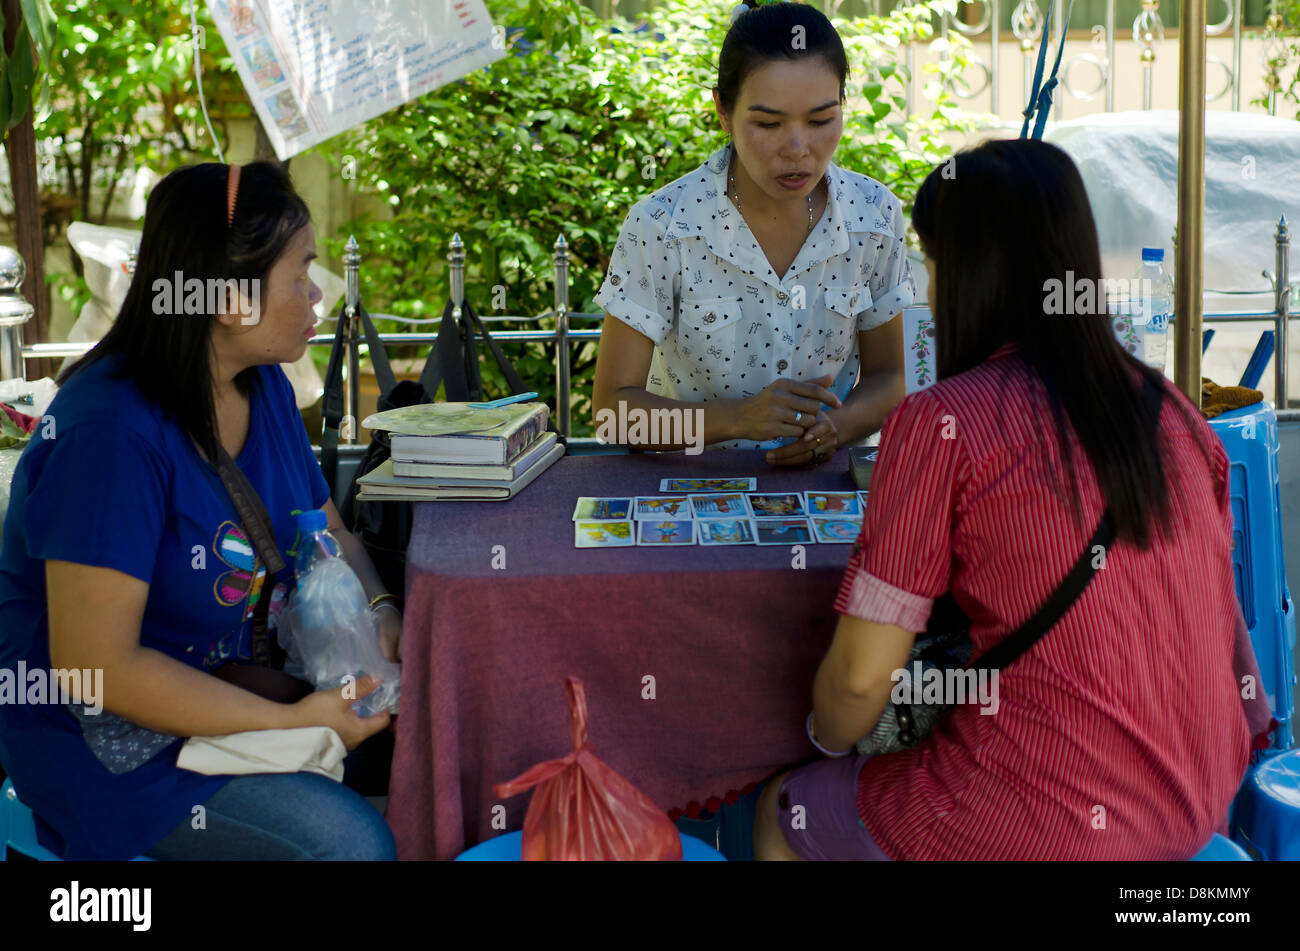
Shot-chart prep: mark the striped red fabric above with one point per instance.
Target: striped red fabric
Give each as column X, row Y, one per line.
column 1121, row 734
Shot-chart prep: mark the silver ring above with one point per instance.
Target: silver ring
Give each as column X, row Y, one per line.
column 798, row 415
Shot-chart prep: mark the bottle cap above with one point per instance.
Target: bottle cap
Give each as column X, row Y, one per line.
column 312, row 521
column 1153, row 254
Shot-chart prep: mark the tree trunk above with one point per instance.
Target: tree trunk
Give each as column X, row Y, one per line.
column 20, row 151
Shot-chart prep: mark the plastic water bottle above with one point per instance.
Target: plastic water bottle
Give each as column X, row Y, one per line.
column 1153, row 293
column 317, row 542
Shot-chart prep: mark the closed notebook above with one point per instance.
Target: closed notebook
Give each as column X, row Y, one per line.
column 380, row 484
column 454, row 470
column 459, row 433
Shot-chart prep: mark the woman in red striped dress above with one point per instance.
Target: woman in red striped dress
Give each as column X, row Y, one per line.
column 1120, row 734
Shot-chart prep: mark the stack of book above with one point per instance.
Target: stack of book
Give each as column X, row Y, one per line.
column 454, row 451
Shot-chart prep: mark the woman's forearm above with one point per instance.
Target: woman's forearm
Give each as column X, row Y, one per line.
column 866, row 407
column 160, row 693
column 662, row 424
column 842, row 716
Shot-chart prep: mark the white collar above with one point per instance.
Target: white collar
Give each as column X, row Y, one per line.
column 703, row 210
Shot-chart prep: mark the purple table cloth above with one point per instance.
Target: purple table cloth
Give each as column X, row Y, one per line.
column 698, row 661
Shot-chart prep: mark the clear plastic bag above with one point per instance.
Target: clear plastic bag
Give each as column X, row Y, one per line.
column 328, row 628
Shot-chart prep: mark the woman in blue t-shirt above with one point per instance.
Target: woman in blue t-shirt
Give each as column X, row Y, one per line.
column 124, row 553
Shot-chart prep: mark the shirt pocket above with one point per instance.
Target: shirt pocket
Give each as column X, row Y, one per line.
column 708, row 330
column 843, row 305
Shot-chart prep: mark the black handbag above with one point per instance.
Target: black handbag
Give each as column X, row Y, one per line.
column 946, row 645
column 384, row 527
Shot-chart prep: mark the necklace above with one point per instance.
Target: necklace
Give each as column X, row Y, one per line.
column 735, row 193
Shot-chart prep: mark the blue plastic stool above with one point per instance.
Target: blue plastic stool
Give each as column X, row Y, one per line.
column 18, row 829
column 509, row 848
column 1249, row 436
column 1221, row 849
column 1267, row 815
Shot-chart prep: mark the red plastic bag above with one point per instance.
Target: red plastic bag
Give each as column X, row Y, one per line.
column 583, row 810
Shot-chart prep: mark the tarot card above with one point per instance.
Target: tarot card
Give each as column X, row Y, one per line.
column 709, row 485
column 588, row 534
column 834, row 504
column 666, row 532
column 836, row 530
column 777, row 504
column 862, row 497
column 663, row 506
column 720, row 505
column 726, row 531
column 782, row 531
column 602, row 509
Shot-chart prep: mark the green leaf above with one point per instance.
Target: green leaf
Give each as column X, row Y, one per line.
column 42, row 25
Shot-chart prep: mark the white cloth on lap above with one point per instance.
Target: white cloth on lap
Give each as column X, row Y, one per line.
column 311, row 749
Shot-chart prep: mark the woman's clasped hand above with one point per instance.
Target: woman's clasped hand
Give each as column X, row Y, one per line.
column 792, row 409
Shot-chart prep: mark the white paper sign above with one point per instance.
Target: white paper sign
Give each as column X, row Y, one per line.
column 314, row 68
column 919, row 361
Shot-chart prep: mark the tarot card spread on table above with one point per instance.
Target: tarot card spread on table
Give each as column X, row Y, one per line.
column 836, row 530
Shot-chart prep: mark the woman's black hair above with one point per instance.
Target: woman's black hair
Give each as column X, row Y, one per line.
column 1000, row 221
column 185, row 232
column 787, row 31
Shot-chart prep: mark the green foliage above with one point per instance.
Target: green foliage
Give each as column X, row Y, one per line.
column 1283, row 58
column 21, row 75
column 581, row 119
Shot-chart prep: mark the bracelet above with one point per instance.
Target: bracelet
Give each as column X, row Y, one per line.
column 823, row 750
column 379, row 600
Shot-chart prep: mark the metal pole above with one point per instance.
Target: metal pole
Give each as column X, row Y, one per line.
column 1110, row 56
column 1191, row 198
column 995, row 25
column 1282, row 306
column 352, row 359
column 562, row 368
column 456, row 258
column 1236, row 55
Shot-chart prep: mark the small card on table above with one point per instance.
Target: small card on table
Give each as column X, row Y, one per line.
column 777, row 504
column 743, row 484
column 782, row 531
column 589, row 534
column 834, row 504
column 720, row 505
column 602, row 509
column 666, row 532
column 726, row 531
column 836, row 530
column 663, row 506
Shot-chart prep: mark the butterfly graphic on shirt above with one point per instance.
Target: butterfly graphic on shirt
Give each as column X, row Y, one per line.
column 242, row 584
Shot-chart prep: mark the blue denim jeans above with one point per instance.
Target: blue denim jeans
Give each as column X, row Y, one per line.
column 282, row 817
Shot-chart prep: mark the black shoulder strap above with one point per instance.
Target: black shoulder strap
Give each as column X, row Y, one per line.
column 252, row 514
column 1074, row 584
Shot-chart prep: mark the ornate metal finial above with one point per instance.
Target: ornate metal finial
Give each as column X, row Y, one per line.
column 1025, row 23
column 1148, row 30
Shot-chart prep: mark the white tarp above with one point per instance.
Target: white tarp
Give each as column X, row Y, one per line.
column 1129, row 163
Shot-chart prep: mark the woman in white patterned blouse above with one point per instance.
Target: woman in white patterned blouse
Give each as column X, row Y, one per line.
column 765, row 287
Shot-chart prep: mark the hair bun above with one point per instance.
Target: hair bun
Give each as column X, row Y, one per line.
column 737, row 10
